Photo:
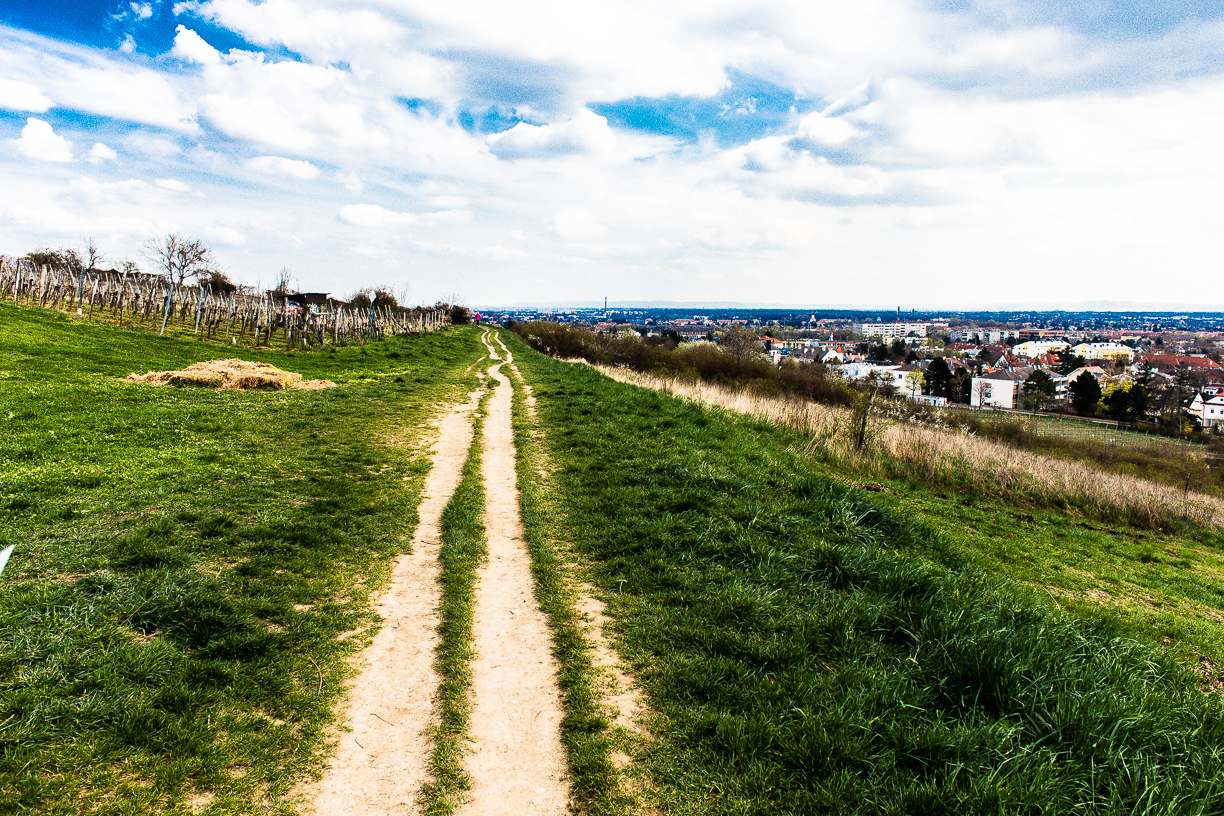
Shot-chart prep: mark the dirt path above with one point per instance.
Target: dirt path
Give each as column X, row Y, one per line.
column 517, row 762
column 381, row 764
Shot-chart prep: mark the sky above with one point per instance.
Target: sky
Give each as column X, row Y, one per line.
column 894, row 153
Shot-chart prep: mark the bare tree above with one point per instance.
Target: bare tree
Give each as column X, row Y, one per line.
column 981, row 392
column 73, row 261
column 93, row 255
column 179, row 257
column 284, row 281
column 743, row 346
column 448, row 299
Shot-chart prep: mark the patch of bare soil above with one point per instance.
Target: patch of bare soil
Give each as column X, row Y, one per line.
column 621, row 694
column 238, row 375
column 382, row 762
column 517, row 763
column 619, row 691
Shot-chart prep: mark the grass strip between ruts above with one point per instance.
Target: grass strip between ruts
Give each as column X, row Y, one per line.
column 464, row 548
column 585, row 727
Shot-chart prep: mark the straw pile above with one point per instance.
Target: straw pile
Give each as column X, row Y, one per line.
column 239, row 375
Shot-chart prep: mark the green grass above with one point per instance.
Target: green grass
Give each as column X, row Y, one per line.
column 1167, row 589
column 464, row 549
column 187, row 558
column 807, row 649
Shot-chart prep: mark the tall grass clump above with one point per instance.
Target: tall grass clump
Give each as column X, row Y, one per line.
column 810, row 652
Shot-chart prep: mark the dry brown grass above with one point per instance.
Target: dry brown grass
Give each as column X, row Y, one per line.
column 238, row 375
column 943, row 455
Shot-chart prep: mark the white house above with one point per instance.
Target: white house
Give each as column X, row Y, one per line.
column 1210, row 411
column 1036, row 348
column 997, row 389
column 1105, row 351
column 862, row 370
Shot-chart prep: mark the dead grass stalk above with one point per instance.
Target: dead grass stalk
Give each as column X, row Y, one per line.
column 230, row 375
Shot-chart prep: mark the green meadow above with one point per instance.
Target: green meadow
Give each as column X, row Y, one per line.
column 193, row 567
column 195, row 570
column 809, row 646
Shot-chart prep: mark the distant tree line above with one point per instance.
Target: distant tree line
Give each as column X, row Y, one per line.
column 738, row 359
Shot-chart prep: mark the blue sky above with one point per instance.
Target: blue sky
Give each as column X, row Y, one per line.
column 886, row 152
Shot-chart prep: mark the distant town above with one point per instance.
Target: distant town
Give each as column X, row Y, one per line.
column 1154, row 367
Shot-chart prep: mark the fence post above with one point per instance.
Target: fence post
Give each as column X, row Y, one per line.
column 166, row 316
column 199, row 306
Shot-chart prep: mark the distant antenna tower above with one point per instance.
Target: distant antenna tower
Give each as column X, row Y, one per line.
column 605, row 308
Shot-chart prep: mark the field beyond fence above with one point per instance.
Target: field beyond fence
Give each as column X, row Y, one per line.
column 941, row 455
column 242, row 319
column 1098, row 430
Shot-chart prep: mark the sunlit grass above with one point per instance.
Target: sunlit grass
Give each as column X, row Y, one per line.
column 808, row 650
column 193, row 568
column 945, row 457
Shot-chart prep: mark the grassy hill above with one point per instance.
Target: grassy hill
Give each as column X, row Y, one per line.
column 811, row 647
column 194, row 569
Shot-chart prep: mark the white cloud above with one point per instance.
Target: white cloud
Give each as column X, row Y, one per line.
column 576, row 224
column 89, row 192
column 372, row 215
column 96, row 82
column 305, row 26
column 374, row 253
column 39, row 141
column 191, row 47
column 585, row 133
column 447, row 217
column 225, row 235
column 128, row 45
column 141, row 11
column 174, row 185
column 22, row 96
column 449, row 202
column 58, row 221
column 101, row 153
column 828, row 130
column 276, row 165
column 351, row 182
column 290, row 105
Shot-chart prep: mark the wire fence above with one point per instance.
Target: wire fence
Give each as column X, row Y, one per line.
column 1100, row 430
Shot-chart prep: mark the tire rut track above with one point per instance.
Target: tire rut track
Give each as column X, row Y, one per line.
column 517, row 762
column 382, row 763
